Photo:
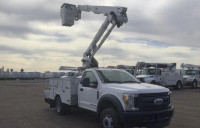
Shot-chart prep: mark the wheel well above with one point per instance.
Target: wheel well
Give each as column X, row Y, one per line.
column 195, row 80
column 179, row 82
column 105, row 104
column 57, row 95
column 53, row 102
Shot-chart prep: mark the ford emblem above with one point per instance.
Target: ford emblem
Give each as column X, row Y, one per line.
column 158, row 101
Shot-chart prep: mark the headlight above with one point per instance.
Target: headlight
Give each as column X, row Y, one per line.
column 129, row 102
column 170, row 101
column 189, row 79
column 147, row 79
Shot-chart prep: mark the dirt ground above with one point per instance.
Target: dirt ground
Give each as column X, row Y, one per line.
column 22, row 106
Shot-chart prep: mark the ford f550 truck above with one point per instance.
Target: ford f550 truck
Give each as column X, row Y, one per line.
column 191, row 74
column 115, row 95
column 164, row 74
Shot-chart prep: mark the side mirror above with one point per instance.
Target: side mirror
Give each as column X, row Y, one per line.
column 94, row 84
column 86, row 82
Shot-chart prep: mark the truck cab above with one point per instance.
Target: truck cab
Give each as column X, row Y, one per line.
column 164, row 74
column 191, row 74
column 150, row 75
column 191, row 77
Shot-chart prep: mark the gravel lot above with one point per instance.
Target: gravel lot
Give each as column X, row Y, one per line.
column 22, row 106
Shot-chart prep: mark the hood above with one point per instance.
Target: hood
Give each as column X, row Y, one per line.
column 136, row 88
column 187, row 76
column 144, row 76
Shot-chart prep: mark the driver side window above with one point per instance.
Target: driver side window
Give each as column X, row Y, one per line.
column 92, row 78
column 158, row 72
column 197, row 73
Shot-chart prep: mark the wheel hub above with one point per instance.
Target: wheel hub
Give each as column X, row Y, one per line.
column 194, row 84
column 179, row 85
column 58, row 106
column 107, row 122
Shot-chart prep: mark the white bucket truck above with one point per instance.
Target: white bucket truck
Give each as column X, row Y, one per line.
column 115, row 95
column 164, row 74
column 191, row 74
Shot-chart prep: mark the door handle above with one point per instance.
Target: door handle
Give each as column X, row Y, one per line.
column 81, row 89
column 97, row 94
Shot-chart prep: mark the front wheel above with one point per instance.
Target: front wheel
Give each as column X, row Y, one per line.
column 109, row 118
column 153, row 82
column 194, row 84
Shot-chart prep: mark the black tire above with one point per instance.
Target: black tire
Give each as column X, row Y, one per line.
column 194, row 84
column 153, row 82
column 109, row 118
column 178, row 85
column 60, row 107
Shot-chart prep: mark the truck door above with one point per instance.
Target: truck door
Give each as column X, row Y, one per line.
column 87, row 94
column 158, row 77
column 198, row 75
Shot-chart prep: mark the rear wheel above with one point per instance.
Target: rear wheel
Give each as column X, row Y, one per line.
column 60, row 107
column 109, row 118
column 178, row 85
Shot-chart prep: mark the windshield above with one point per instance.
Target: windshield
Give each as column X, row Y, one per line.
column 130, row 71
column 116, row 76
column 70, row 74
column 148, row 72
column 189, row 72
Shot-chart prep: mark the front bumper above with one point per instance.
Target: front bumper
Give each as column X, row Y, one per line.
column 154, row 119
column 189, row 83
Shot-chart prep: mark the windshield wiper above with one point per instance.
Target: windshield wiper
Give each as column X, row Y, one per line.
column 130, row 82
column 121, row 82
column 113, row 82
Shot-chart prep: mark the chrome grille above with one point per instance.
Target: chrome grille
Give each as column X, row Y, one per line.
column 145, row 102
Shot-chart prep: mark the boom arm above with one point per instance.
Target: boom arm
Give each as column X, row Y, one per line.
column 114, row 15
column 170, row 66
column 190, row 66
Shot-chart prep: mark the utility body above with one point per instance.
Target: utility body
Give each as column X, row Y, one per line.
column 115, row 95
column 191, row 74
column 164, row 74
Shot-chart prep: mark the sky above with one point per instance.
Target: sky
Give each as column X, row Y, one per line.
column 157, row 31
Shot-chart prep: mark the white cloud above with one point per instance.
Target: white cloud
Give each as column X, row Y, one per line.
column 31, row 35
